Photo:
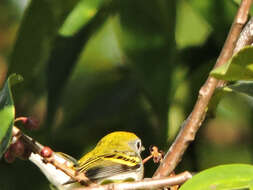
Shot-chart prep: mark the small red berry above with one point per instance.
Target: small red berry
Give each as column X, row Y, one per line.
column 46, row 152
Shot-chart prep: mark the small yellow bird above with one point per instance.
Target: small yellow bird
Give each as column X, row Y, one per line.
column 115, row 158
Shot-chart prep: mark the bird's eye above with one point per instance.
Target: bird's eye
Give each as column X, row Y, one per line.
column 138, row 145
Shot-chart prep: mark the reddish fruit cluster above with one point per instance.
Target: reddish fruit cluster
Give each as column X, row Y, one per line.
column 28, row 122
column 17, row 149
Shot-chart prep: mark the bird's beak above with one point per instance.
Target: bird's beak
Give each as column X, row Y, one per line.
column 142, row 148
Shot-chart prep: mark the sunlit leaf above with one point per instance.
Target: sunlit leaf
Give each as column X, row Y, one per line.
column 190, row 21
column 7, row 112
column 224, row 177
column 218, row 14
column 239, row 67
column 81, row 15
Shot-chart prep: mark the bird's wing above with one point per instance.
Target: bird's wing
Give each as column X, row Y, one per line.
column 108, row 165
column 106, row 169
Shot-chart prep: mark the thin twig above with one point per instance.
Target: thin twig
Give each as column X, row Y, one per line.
column 147, row 159
column 33, row 145
column 195, row 119
column 144, row 184
column 36, row 148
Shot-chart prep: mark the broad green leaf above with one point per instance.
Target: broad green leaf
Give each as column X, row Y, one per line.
column 228, row 104
column 190, row 21
column 245, row 87
column 7, row 112
column 218, row 14
column 239, row 67
column 65, row 54
column 39, row 27
column 224, row 177
column 81, row 15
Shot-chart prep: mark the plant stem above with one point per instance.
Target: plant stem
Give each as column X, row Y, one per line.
column 191, row 125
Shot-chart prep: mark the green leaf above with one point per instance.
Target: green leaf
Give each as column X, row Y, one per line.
column 245, row 87
column 239, row 67
column 39, row 27
column 7, row 112
column 81, row 15
column 213, row 11
column 192, row 22
column 65, row 54
column 233, row 176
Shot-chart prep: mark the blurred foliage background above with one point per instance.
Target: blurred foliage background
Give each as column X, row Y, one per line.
column 96, row 66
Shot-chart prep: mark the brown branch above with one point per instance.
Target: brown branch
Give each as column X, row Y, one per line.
column 76, row 176
column 246, row 36
column 195, row 119
column 144, row 184
column 37, row 148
